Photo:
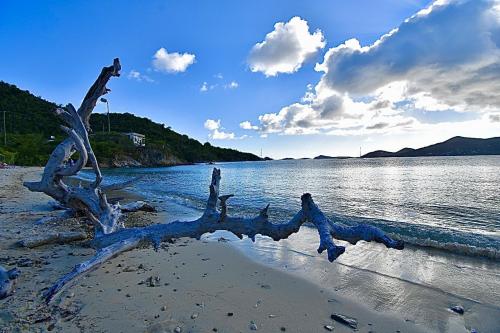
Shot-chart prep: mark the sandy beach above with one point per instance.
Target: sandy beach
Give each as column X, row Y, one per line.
column 198, row 286
column 191, row 286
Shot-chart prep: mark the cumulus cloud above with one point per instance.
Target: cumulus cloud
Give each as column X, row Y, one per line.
column 444, row 58
column 286, row 48
column 204, row 87
column 217, row 131
column 448, row 55
column 172, row 62
column 212, row 125
column 138, row 76
column 248, row 126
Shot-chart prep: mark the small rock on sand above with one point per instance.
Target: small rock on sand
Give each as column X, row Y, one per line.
column 328, row 328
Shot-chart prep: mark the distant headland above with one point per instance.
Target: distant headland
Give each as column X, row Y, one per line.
column 456, row 146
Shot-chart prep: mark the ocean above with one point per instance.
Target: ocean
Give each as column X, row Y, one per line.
column 445, row 208
column 445, row 202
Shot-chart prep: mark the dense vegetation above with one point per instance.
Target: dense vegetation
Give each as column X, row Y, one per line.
column 30, row 123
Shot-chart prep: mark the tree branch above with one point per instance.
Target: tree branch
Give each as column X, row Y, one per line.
column 111, row 244
column 97, row 90
column 89, row 200
column 50, row 238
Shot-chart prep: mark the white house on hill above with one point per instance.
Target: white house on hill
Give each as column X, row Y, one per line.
column 137, row 139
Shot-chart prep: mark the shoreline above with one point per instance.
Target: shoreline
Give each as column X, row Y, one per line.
column 214, row 275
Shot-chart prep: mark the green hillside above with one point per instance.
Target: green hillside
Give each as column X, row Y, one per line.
column 30, row 123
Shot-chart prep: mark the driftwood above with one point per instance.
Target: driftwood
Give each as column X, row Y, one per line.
column 125, row 239
column 90, row 199
column 111, row 237
column 51, row 238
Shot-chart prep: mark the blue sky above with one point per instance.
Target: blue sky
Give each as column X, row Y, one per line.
column 386, row 96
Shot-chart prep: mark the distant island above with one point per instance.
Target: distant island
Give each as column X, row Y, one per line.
column 319, row 157
column 33, row 132
column 326, row 157
column 456, row 146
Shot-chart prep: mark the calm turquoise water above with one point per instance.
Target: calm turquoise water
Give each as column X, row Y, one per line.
column 444, row 202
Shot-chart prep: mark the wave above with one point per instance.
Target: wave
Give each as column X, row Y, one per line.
column 455, row 247
column 452, row 240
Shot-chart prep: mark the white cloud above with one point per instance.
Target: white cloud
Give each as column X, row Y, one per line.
column 172, row 62
column 231, row 85
column 217, row 131
column 211, row 124
column 221, row 135
column 448, row 54
column 248, row 126
column 444, row 58
column 204, row 87
column 286, row 48
column 138, row 76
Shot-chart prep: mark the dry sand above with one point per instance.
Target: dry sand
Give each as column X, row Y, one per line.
column 197, row 286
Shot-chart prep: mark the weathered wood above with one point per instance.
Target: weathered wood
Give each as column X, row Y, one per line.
column 51, row 238
column 90, row 199
column 112, row 244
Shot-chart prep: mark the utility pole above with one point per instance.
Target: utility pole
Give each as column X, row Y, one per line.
column 104, row 100
column 4, row 130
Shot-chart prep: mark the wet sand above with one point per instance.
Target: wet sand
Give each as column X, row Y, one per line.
column 191, row 286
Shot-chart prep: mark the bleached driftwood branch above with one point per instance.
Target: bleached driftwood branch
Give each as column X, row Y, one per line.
column 112, row 244
column 90, row 199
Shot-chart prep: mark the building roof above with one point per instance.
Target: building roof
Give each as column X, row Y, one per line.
column 136, row 134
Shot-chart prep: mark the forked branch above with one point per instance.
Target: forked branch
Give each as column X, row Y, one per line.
column 90, row 199
column 112, row 244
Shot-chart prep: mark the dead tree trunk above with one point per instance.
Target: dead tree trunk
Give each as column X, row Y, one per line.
column 111, row 244
column 112, row 238
column 89, row 200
